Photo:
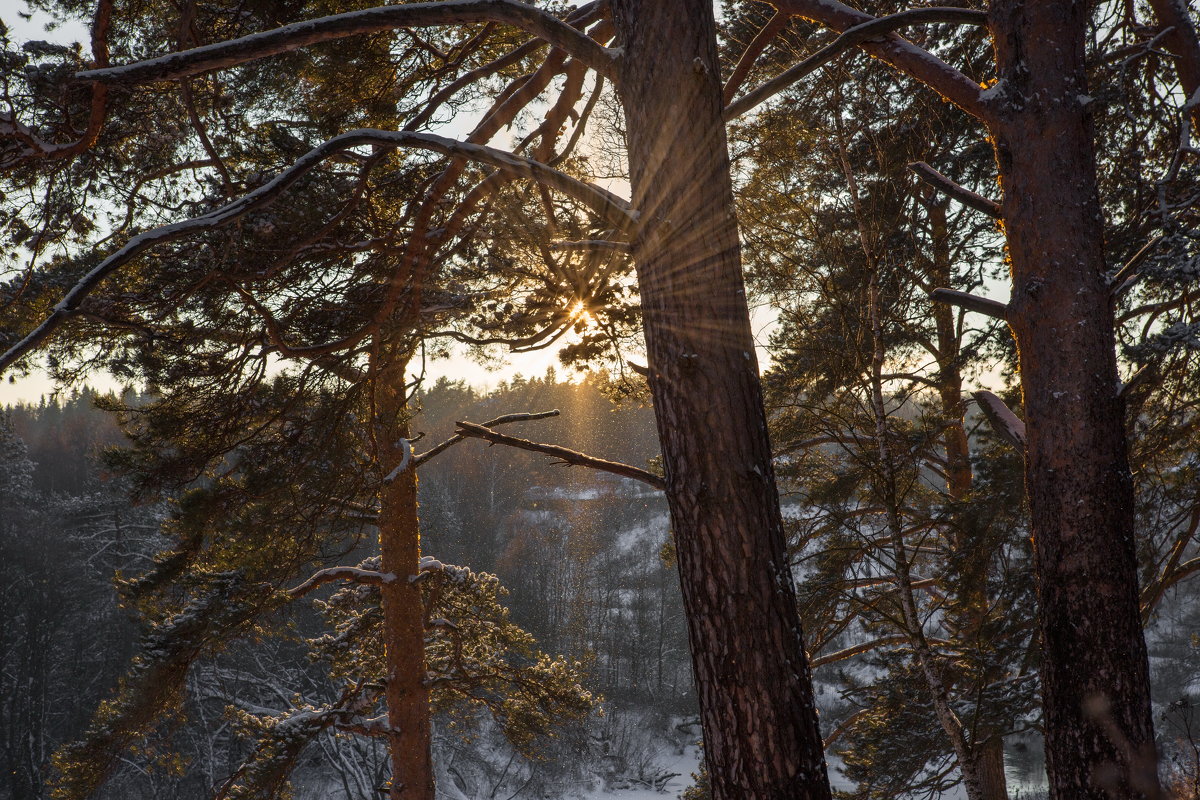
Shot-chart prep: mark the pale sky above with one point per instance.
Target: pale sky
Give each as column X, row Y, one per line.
column 460, row 367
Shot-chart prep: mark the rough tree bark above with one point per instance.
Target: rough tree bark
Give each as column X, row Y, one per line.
column 409, row 735
column 752, row 676
column 1095, row 678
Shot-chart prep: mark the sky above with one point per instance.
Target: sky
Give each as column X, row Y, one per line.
column 460, row 367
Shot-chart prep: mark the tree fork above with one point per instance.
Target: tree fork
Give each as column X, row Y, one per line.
column 760, row 726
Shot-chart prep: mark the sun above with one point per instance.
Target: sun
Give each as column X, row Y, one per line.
column 580, row 313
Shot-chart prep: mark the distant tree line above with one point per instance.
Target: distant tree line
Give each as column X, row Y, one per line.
column 582, row 566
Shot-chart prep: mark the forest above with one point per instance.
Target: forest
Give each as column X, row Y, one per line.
column 932, row 532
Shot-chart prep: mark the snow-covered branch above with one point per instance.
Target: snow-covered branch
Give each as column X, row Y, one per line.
column 405, row 462
column 369, row 726
column 971, row 302
column 355, row 23
column 432, row 452
column 565, row 455
column 1138, row 379
column 870, row 29
column 331, row 574
column 1007, row 425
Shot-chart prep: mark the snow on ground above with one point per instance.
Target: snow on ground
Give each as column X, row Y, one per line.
column 684, row 764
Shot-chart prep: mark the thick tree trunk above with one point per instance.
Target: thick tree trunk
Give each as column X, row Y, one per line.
column 403, row 613
column 1095, row 683
column 760, row 726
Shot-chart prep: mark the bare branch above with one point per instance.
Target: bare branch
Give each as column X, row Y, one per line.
column 1183, row 571
column 1127, row 275
column 612, row 208
column 1172, row 571
column 354, row 23
column 863, row 647
column 971, row 302
column 420, row 459
column 773, row 28
column 960, row 193
column 845, row 725
column 567, row 456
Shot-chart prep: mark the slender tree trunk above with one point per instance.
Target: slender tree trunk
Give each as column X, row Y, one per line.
column 885, row 483
column 968, row 615
column 987, row 749
column 886, row 488
column 1095, row 681
column 403, row 612
column 760, row 726
column 959, row 478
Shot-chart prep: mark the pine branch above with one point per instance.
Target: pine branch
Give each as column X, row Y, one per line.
column 891, row 48
column 609, row 206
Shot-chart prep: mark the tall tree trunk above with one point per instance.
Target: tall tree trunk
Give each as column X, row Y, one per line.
column 752, row 676
column 403, row 612
column 971, row 601
column 1095, row 678
column 886, row 490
